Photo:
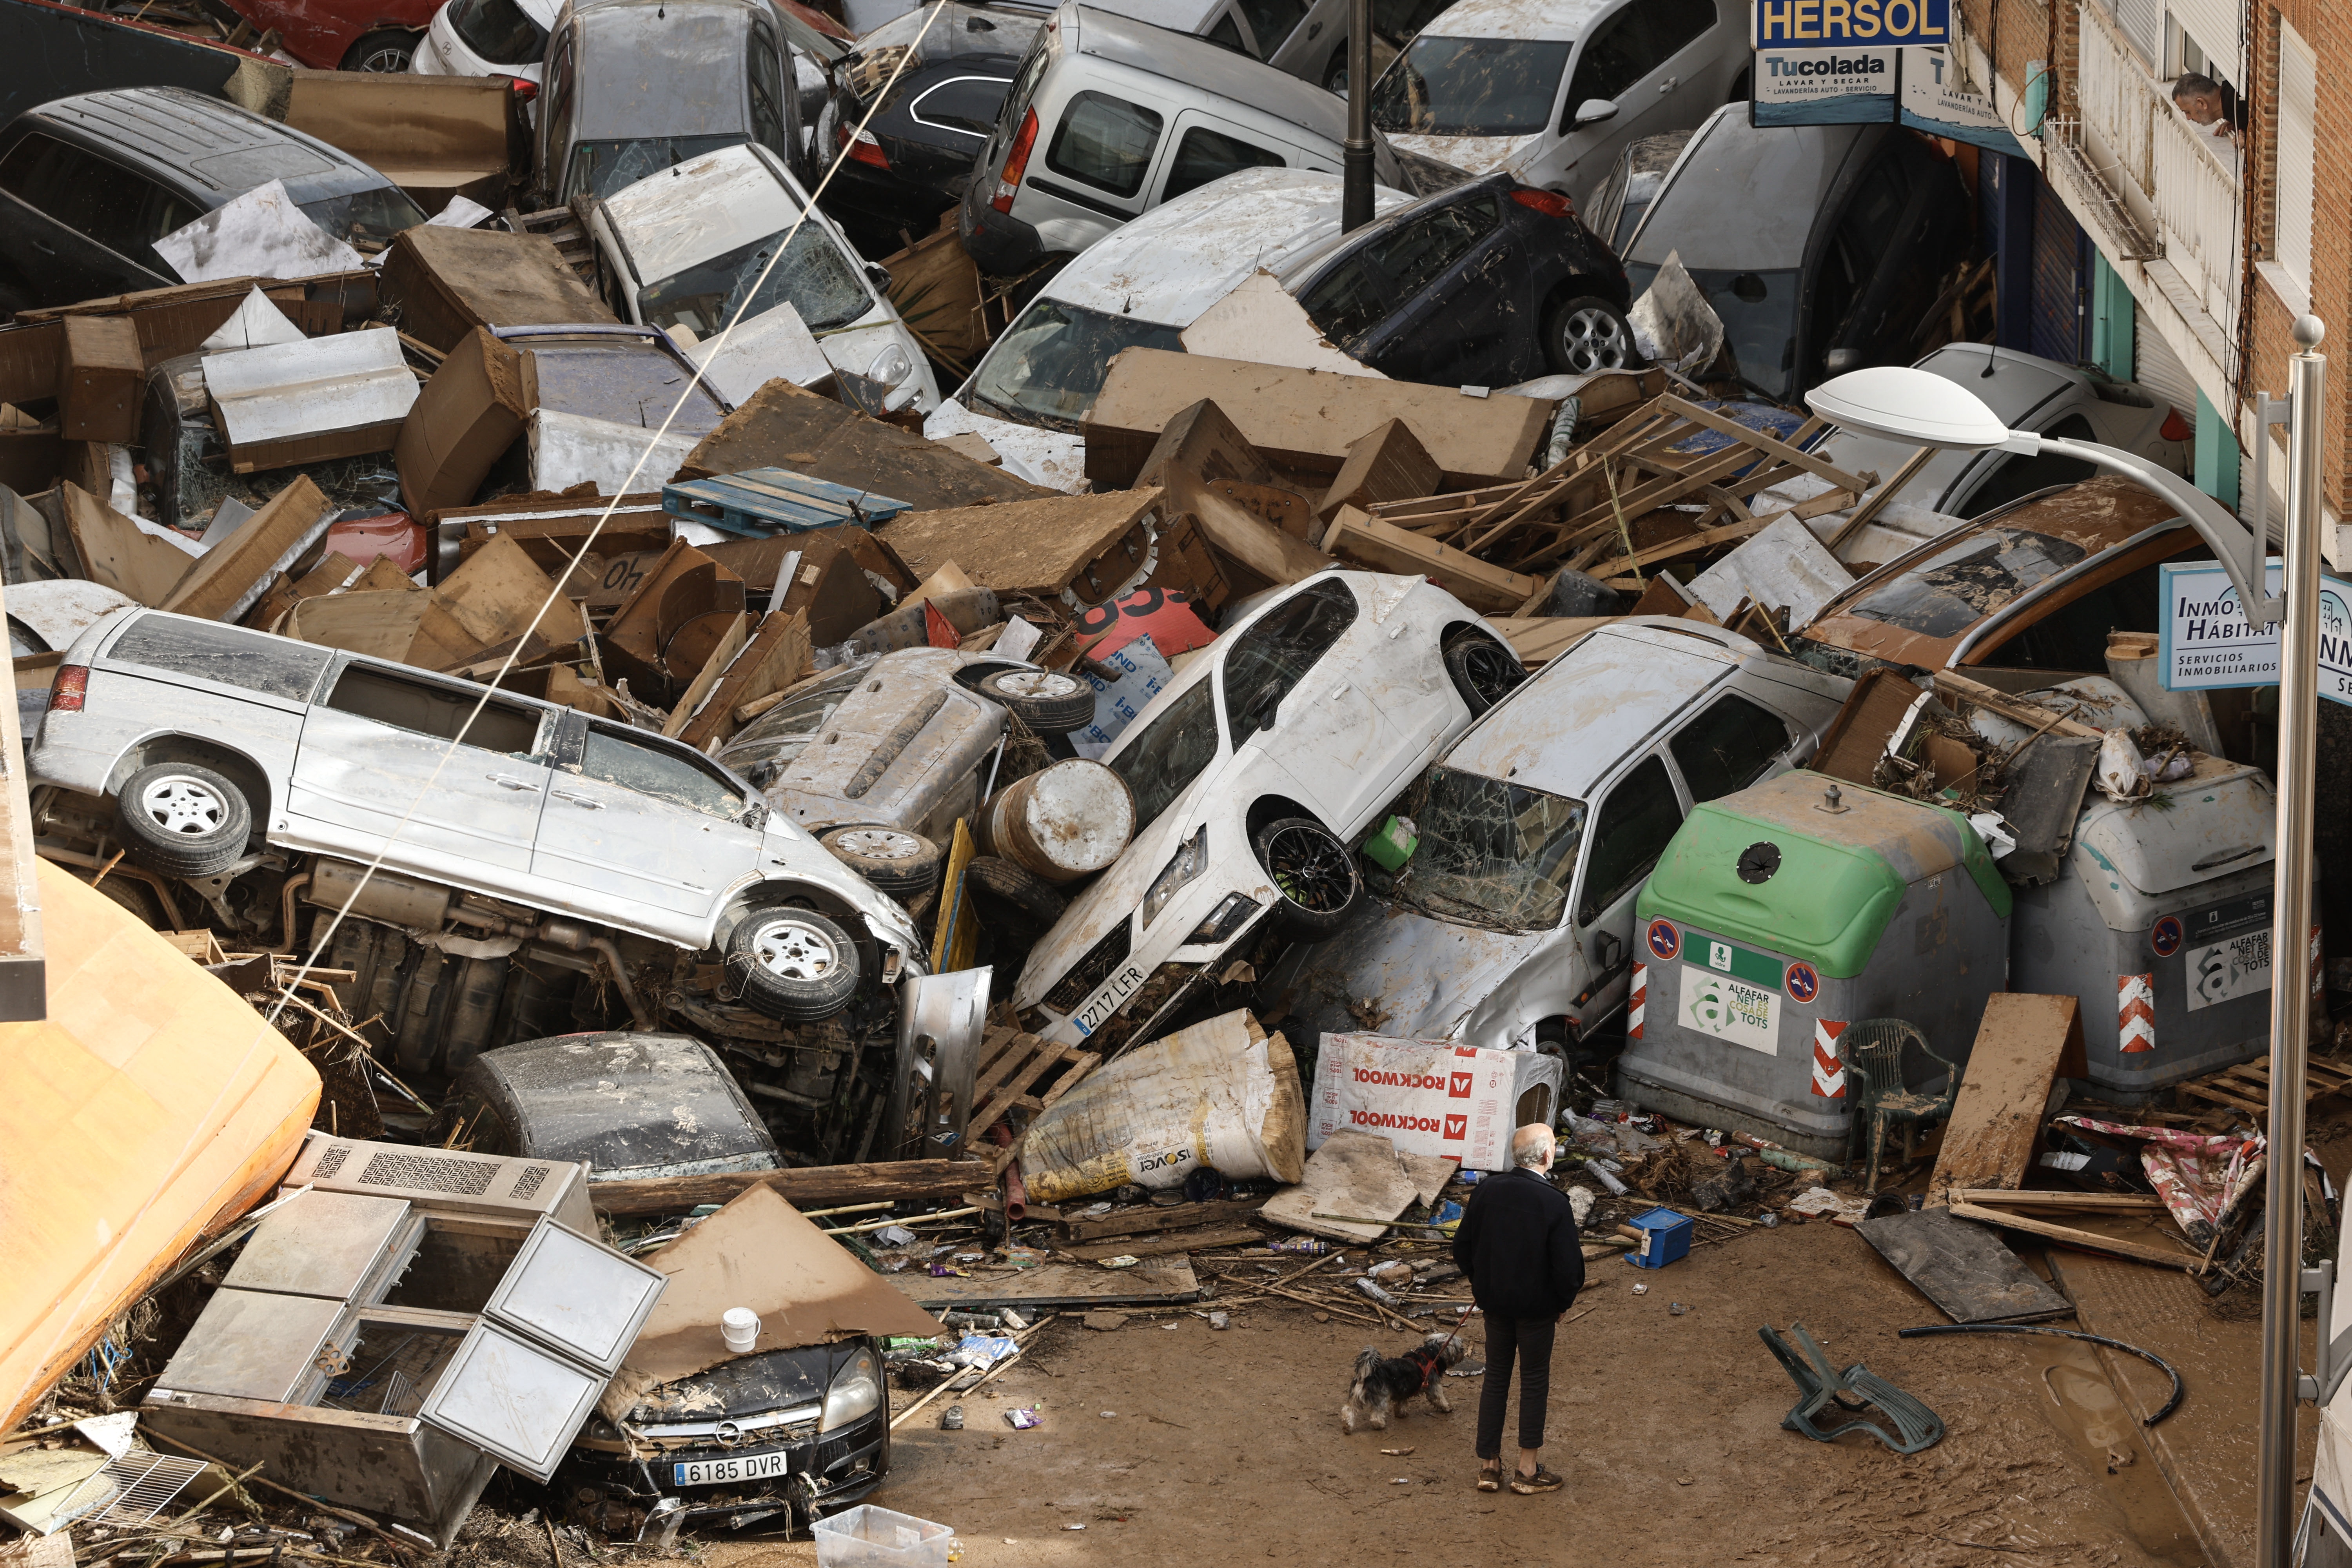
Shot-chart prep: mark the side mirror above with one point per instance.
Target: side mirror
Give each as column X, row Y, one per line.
column 1837, row 361
column 879, row 275
column 1607, row 950
column 1593, row 110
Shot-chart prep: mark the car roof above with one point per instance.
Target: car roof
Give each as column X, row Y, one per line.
column 1552, row 19
column 1745, row 196
column 207, row 144
column 2013, row 385
column 662, row 68
column 703, row 207
column 1196, row 66
column 623, row 1101
column 1567, row 725
column 1182, row 256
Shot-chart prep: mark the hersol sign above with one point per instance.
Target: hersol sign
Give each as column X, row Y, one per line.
column 1839, row 24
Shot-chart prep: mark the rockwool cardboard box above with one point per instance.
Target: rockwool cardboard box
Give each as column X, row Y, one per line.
column 1431, row 1097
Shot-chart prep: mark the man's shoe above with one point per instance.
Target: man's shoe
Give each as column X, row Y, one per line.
column 1490, row 1481
column 1543, row 1480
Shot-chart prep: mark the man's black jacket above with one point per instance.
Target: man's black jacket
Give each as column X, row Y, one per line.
column 1518, row 1245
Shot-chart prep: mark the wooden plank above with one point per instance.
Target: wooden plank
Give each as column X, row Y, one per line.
column 776, row 656
column 2001, row 1197
column 1358, row 536
column 1763, row 443
column 992, row 1105
column 1197, row 1240
column 24, row 986
column 1870, row 508
column 2033, row 715
column 814, row 1187
column 2088, row 1240
column 2004, row 1090
column 1612, row 572
column 1178, row 1217
column 1167, row 1281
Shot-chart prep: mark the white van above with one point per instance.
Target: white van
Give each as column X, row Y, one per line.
column 1142, row 286
column 1109, row 117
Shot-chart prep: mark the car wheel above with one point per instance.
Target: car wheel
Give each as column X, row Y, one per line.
column 1588, row 333
column 1025, row 890
column 388, row 50
column 1335, row 75
column 1314, row 878
column 1483, row 671
column 903, row 865
column 182, row 820
column 794, row 964
column 1048, row 701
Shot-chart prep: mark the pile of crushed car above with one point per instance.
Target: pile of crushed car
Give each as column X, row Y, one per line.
column 866, row 569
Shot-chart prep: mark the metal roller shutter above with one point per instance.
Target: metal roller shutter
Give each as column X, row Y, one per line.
column 2155, row 367
column 2058, row 281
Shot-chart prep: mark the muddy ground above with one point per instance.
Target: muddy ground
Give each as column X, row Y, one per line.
column 1173, row 1444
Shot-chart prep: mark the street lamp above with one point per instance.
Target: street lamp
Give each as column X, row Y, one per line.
column 1914, row 405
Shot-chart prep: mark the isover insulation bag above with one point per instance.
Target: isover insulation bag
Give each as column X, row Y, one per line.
column 1431, row 1097
column 1220, row 1094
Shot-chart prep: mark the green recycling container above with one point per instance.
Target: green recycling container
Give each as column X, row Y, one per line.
column 1780, row 914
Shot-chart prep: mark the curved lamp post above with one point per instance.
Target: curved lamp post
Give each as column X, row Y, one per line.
column 1913, row 405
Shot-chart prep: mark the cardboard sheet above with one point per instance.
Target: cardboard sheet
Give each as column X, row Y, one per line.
column 567, row 449
column 311, row 399
column 464, row 420
column 759, row 1252
column 1261, row 322
column 771, row 344
column 256, row 322
column 1356, row 1173
column 262, row 233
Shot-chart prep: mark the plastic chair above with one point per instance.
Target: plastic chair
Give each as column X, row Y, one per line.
column 1876, row 1086
column 1819, row 1388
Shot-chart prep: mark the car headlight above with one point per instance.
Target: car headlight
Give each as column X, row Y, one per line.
column 1192, row 859
column 856, row 1392
column 891, row 366
column 1224, row 919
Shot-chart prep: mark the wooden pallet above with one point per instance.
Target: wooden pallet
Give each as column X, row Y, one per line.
column 759, row 502
column 1011, row 1063
column 2247, row 1086
column 564, row 227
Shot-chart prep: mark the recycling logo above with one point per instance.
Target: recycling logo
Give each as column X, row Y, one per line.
column 1711, row 1010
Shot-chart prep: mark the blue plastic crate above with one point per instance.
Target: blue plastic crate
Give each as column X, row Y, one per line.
column 1669, row 1238
column 759, row 502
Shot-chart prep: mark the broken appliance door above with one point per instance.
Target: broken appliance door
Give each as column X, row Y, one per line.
column 940, row 1018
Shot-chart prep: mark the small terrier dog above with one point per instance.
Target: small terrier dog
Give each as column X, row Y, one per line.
column 1383, row 1384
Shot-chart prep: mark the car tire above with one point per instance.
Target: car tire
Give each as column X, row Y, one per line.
column 903, row 865
column 182, row 820
column 1048, row 700
column 1025, row 890
column 1588, row 333
column 1314, row 878
column 1483, row 671
column 387, row 51
column 793, row 964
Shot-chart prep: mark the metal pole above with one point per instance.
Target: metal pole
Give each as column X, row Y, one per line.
column 2291, row 958
column 1356, row 170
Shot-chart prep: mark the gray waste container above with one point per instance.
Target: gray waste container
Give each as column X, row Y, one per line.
column 1777, row 917
column 2160, row 921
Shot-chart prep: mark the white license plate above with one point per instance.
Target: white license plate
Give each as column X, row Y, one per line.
column 734, row 1468
column 1108, row 1001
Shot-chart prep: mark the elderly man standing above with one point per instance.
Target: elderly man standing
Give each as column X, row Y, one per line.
column 1518, row 1245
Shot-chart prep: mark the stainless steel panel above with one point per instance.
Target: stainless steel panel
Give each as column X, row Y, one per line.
column 249, row 1344
column 576, row 1294
column 941, row 1020
column 508, row 1397
column 322, row 1244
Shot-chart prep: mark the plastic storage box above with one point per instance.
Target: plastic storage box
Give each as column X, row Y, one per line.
column 870, row 1537
column 1670, row 1238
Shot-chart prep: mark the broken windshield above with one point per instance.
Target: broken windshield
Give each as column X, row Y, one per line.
column 812, row 278
column 600, row 168
column 765, row 750
column 1470, row 87
column 1954, row 589
column 1047, row 369
column 1174, row 746
column 1493, row 852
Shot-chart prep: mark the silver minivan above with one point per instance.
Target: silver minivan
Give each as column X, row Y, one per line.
column 1109, row 117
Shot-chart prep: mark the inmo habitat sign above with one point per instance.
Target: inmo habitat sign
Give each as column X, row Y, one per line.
column 2206, row 644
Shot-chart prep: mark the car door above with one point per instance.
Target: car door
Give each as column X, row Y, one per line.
column 1637, row 817
column 643, row 832
column 1732, row 742
column 78, row 226
column 1290, row 703
column 1639, row 57
column 1459, row 283
column 1097, row 163
column 395, row 763
column 775, row 113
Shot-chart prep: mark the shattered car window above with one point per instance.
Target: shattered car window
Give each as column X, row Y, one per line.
column 1470, row 87
column 274, row 667
column 812, row 276
column 1278, row 650
column 365, row 218
column 1951, row 591
column 1047, row 369
column 602, row 168
column 767, row 748
column 633, row 762
column 1496, row 852
column 1728, row 747
column 1637, row 820
column 1162, row 761
column 1759, row 318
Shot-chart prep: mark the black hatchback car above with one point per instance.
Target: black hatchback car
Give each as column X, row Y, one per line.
column 1488, row 284
column 914, row 157
column 88, row 183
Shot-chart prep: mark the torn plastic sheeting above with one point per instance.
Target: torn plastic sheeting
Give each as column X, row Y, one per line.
column 1221, row 1094
column 771, row 344
column 1143, row 674
column 256, row 323
column 1260, row 321
column 462, row 211
column 1782, row 566
column 312, row 400
column 567, row 449
column 1672, row 323
column 2200, row 1176
column 261, row 234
